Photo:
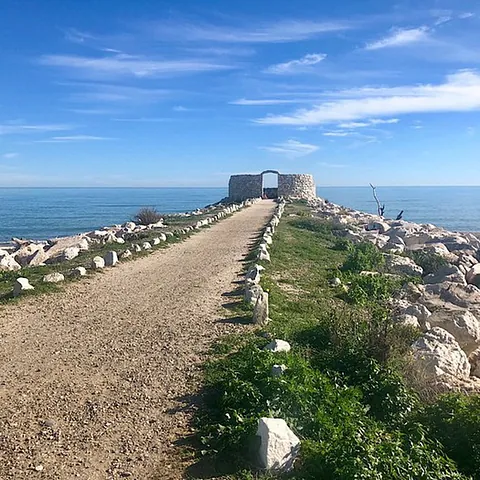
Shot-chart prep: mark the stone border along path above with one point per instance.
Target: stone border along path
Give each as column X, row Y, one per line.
column 97, row 381
column 110, row 258
column 279, row 446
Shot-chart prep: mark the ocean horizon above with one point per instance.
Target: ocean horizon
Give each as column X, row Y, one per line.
column 39, row 213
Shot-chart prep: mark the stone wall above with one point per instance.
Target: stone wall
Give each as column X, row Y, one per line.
column 241, row 187
column 297, row 185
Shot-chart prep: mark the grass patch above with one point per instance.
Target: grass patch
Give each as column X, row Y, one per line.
column 343, row 392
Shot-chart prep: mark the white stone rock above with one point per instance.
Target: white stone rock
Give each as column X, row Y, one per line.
column 278, row 370
column 446, row 273
column 110, row 258
column 473, row 275
column 253, row 273
column 162, row 237
column 402, row 265
column 279, row 446
column 126, row 254
column 278, row 346
column 9, row 264
column 407, row 320
column 146, row 245
column 463, row 325
column 474, row 360
column 260, row 311
column 136, row 248
column 54, row 277
column 156, row 241
column 379, row 225
column 98, row 262
column 21, row 285
column 79, row 272
column 130, row 226
column 120, row 240
column 335, row 282
column 437, row 353
column 252, row 292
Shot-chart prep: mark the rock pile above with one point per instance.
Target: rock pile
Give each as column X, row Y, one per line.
column 446, row 307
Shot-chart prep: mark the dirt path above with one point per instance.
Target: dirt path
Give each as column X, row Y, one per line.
column 91, row 378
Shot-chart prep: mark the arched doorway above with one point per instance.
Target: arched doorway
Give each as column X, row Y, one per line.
column 270, row 184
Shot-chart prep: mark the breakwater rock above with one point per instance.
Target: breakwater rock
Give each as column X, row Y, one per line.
column 444, row 302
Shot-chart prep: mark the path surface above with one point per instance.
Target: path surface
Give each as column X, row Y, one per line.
column 91, row 378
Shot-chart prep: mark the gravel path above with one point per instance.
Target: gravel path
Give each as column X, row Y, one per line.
column 92, row 379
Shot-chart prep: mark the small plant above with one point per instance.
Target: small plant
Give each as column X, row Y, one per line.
column 365, row 289
column 147, row 215
column 430, row 262
column 363, row 257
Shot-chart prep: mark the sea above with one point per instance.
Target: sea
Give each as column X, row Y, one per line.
column 42, row 213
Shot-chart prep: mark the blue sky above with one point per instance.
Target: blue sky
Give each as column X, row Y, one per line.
column 156, row 93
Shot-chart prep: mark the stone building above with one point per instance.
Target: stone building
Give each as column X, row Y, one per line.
column 241, row 187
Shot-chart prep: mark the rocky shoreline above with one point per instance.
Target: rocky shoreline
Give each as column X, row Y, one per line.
column 20, row 253
column 443, row 303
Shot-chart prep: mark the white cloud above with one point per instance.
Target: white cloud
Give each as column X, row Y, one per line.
column 144, row 119
column 337, row 134
column 275, row 32
column 180, row 108
column 466, row 15
column 296, row 66
column 369, row 123
column 400, row 37
column 20, row 128
column 74, row 138
column 460, row 92
column 9, row 155
column 123, row 65
column 266, row 101
column 292, row 148
column 331, row 165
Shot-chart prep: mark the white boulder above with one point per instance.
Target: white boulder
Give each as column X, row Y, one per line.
column 98, row 262
column 8, row 263
column 110, row 259
column 379, row 226
column 463, row 325
column 260, row 311
column 446, row 273
column 437, row 353
column 146, row 245
column 79, row 272
column 156, row 241
column 279, row 446
column 278, row 370
column 54, row 277
column 473, row 275
column 136, row 248
column 402, row 265
column 278, row 346
column 252, row 293
column 21, row 285
column 126, row 254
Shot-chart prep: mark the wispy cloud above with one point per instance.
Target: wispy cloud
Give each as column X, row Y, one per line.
column 297, row 66
column 95, row 92
column 273, row 32
column 144, row 119
column 180, row 108
column 20, row 128
column 92, row 111
column 264, row 101
column 370, row 122
column 337, row 134
column 291, row 148
column 460, row 92
column 122, row 65
column 466, row 15
column 9, row 155
column 75, row 138
column 400, row 37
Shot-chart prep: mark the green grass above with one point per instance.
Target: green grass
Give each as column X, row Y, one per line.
column 343, row 393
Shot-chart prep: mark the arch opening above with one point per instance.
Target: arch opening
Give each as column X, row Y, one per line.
column 270, row 184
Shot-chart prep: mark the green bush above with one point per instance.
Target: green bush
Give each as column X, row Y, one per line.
column 454, row 420
column 363, row 257
column 367, row 289
column 340, row 440
column 428, row 260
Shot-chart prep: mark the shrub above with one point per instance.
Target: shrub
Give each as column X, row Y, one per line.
column 366, row 289
column 428, row 260
column 454, row 420
column 146, row 216
column 363, row 256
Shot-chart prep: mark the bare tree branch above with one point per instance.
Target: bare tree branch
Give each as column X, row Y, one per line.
column 380, row 208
